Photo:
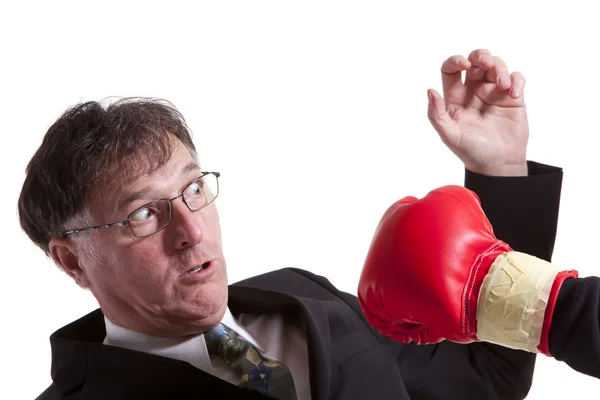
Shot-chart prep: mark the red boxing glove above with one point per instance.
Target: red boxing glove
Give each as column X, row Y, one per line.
column 436, row 271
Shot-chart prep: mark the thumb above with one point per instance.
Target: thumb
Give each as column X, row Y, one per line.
column 444, row 125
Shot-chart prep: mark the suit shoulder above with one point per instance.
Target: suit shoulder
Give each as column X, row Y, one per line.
column 321, row 280
column 294, row 281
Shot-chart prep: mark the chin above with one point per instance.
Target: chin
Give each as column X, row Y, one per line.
column 209, row 304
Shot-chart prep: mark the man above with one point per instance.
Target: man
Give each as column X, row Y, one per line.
column 116, row 197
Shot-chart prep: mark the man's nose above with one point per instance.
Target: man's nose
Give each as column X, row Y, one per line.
column 186, row 225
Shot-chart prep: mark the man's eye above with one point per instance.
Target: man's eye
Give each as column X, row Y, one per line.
column 193, row 190
column 142, row 214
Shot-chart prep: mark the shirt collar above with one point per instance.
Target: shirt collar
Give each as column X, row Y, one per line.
column 190, row 349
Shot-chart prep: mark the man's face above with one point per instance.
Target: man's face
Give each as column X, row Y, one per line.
column 145, row 284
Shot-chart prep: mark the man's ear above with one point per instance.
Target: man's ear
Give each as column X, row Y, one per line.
column 64, row 252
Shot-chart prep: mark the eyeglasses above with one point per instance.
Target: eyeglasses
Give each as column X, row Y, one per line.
column 156, row 215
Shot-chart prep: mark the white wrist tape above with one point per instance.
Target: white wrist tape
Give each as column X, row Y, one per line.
column 512, row 301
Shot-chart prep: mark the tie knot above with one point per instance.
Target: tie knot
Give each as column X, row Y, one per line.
column 223, row 342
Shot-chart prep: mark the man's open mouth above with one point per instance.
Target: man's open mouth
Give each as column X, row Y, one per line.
column 198, row 268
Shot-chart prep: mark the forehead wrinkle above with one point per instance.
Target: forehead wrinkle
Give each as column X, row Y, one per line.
column 191, row 166
column 130, row 197
column 130, row 172
column 127, row 197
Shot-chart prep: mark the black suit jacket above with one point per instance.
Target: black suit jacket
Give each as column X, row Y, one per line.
column 348, row 359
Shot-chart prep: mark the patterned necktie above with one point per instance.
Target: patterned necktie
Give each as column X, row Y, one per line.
column 269, row 377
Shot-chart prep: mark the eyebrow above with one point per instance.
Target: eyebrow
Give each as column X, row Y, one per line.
column 128, row 198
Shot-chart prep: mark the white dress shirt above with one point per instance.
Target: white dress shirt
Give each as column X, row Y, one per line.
column 269, row 333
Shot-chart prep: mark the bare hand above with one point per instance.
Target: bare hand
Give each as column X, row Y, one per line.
column 483, row 120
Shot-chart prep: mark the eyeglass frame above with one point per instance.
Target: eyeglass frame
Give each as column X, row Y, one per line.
column 126, row 221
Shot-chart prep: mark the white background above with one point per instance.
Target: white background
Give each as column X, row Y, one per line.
column 315, row 114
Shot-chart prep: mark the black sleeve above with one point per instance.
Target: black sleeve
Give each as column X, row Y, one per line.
column 575, row 330
column 524, row 214
column 522, row 210
column 51, row 393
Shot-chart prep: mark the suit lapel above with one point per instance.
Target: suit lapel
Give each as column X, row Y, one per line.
column 243, row 299
column 170, row 379
column 99, row 372
column 81, row 361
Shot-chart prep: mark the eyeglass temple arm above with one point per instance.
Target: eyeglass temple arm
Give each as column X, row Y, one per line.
column 92, row 228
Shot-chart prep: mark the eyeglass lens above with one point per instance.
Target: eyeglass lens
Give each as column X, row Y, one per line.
column 154, row 216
